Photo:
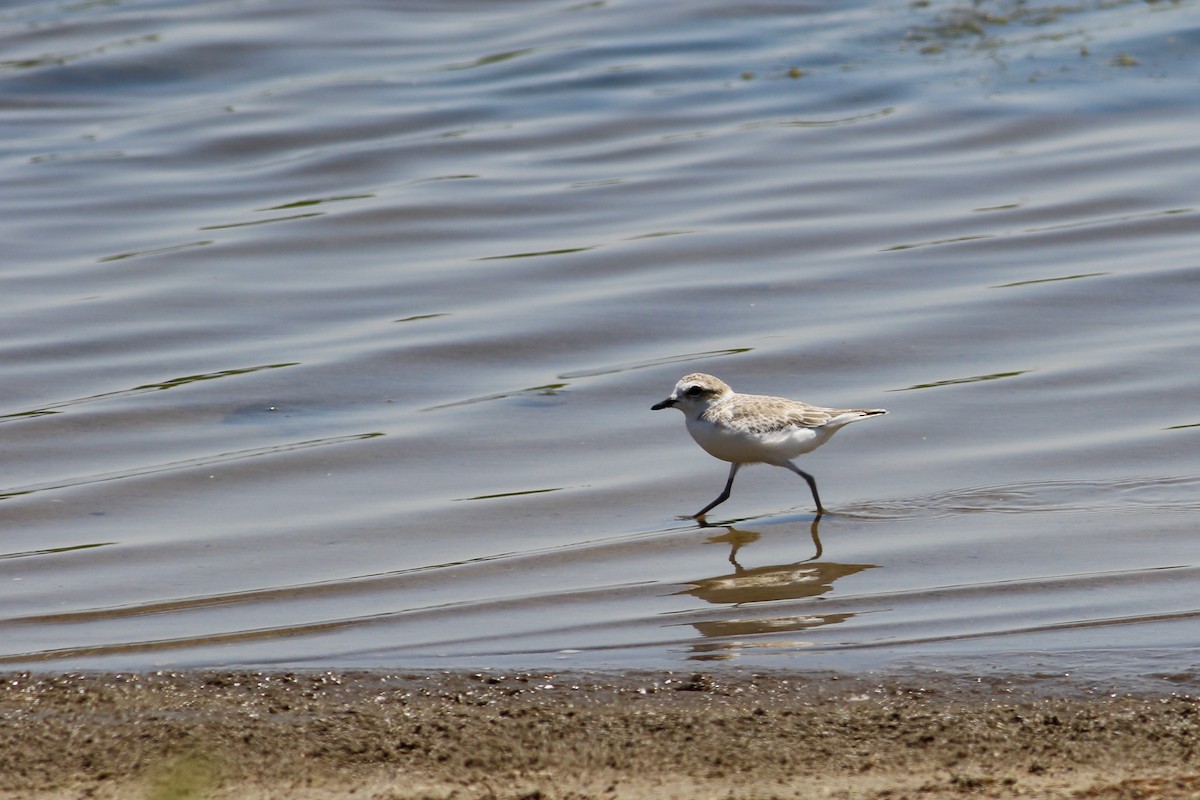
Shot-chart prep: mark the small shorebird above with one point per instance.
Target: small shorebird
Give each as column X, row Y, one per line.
column 755, row 429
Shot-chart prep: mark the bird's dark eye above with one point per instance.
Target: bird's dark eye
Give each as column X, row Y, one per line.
column 695, row 391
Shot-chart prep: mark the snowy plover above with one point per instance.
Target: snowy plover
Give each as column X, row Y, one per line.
column 755, row 429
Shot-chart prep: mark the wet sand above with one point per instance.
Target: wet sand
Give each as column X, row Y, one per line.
column 542, row 735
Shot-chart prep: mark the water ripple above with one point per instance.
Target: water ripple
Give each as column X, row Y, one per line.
column 188, row 463
column 1174, row 494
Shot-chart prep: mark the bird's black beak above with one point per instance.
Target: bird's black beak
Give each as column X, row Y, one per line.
column 670, row 401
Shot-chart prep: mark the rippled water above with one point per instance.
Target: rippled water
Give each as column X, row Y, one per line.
column 330, row 332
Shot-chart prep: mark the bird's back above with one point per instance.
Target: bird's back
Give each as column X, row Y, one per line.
column 752, row 428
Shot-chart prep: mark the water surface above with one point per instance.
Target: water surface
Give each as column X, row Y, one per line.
column 330, row 333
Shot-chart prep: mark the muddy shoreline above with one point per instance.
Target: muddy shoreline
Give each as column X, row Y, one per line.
column 593, row 735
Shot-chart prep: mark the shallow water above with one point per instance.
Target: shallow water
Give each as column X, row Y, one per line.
column 330, row 334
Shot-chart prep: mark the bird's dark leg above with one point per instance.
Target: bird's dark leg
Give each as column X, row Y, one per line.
column 812, row 484
column 733, row 470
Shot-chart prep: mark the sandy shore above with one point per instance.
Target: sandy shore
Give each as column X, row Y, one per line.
column 544, row 736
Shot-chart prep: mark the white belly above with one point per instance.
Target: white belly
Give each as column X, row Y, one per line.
column 748, row 447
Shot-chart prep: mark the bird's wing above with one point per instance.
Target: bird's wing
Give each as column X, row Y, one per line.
column 806, row 416
column 774, row 414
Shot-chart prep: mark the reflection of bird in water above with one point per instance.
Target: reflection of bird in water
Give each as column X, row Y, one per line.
column 755, row 429
column 772, row 583
column 780, row 585
column 807, row 578
column 737, row 538
column 788, row 588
